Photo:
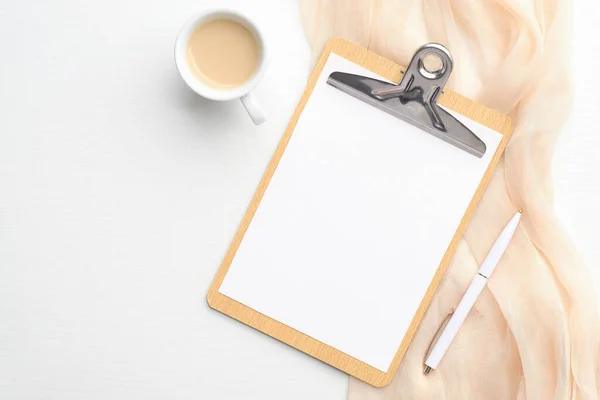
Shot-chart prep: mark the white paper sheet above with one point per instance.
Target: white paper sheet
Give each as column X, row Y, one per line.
column 354, row 223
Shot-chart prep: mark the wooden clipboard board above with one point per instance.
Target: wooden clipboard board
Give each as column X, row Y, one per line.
column 393, row 72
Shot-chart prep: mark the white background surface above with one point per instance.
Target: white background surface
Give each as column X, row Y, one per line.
column 120, row 192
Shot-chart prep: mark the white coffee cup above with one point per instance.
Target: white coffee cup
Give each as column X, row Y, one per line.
column 242, row 92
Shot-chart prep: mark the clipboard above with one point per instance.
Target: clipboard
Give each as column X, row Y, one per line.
column 313, row 312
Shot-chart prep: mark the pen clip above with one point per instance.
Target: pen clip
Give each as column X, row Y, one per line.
column 437, row 335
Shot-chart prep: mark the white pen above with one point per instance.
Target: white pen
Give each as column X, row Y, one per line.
column 471, row 295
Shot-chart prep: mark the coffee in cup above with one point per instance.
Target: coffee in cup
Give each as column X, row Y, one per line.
column 223, row 53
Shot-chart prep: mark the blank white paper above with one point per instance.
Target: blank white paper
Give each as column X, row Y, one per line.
column 354, row 223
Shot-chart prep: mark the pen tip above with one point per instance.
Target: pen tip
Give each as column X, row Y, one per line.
column 520, row 211
column 427, row 370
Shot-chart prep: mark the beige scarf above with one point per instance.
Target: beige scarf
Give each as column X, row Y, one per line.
column 534, row 332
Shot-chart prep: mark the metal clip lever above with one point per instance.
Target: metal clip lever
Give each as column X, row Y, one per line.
column 414, row 99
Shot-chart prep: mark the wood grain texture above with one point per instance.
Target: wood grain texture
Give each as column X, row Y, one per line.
column 294, row 338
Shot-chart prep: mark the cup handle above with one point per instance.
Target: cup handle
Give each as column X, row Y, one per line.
column 253, row 109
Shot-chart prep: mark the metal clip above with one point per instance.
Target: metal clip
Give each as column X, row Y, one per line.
column 414, row 99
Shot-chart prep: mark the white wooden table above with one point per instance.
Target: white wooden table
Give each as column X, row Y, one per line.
column 120, row 192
